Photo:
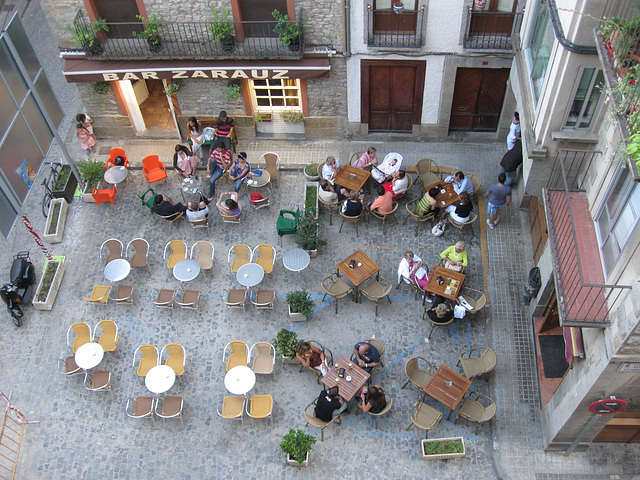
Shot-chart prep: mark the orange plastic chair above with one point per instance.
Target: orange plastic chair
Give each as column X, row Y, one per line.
column 153, row 170
column 113, row 153
column 104, row 195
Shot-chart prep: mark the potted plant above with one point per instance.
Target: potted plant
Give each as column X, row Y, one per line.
column 65, row 184
column 151, row 31
column 300, row 305
column 85, row 36
column 398, row 7
column 479, row 5
column 173, row 87
column 443, row 448
column 49, row 284
column 633, row 149
column 289, row 33
column 56, row 220
column 233, row 91
column 291, row 117
column 221, row 29
column 311, row 172
column 92, row 173
column 286, row 344
column 297, row 445
column 263, row 117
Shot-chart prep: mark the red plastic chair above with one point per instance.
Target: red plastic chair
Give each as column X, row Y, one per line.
column 105, row 195
column 153, row 170
column 113, row 153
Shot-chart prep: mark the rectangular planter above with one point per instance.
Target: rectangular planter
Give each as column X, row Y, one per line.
column 87, row 195
column 47, row 304
column 69, row 189
column 61, row 219
column 298, row 464
column 442, row 456
column 296, row 317
column 312, row 253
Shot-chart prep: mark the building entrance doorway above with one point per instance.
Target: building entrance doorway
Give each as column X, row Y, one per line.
column 152, row 111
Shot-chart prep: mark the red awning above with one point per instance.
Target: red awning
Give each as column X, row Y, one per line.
column 80, row 69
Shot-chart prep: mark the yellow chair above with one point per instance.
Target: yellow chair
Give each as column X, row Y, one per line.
column 267, row 257
column 231, row 408
column 230, row 218
column 148, row 361
column 109, row 338
column 83, row 335
column 112, row 249
column 176, row 359
column 205, row 254
column 99, row 294
column 260, row 406
column 238, row 353
column 243, row 256
column 179, row 252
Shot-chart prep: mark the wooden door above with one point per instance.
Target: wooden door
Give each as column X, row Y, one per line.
column 119, row 11
column 385, row 20
column 496, row 19
column 624, row 427
column 260, row 11
column 477, row 99
column 537, row 227
column 392, row 95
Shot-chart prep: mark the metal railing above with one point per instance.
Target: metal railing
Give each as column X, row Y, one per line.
column 387, row 28
column 491, row 30
column 571, row 168
column 189, row 40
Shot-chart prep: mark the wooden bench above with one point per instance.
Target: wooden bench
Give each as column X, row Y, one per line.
column 212, row 124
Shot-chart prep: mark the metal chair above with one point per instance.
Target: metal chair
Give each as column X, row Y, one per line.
column 176, row 357
column 230, row 219
column 238, row 353
column 260, row 406
column 425, row 417
column 243, row 255
column 178, row 252
column 266, row 258
column 100, row 381
column 140, row 407
column 410, row 206
column 272, row 164
column 336, row 287
column 231, row 408
column 171, row 408
column 354, row 220
column 190, row 299
column 328, row 356
column 140, row 257
column 124, row 294
column 474, row 298
column 310, row 417
column 263, row 356
column 165, row 298
column 148, row 360
column 67, row 366
column 171, row 218
column 109, row 338
column 83, row 335
column 474, row 410
column 377, row 290
column 99, row 294
column 206, row 253
column 235, row 298
column 384, row 216
column 473, row 217
column 112, row 249
column 474, row 366
column 262, row 202
column 204, row 223
column 418, row 377
column 264, row 300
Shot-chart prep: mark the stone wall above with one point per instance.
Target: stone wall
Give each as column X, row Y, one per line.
column 324, row 22
column 60, row 14
column 207, row 97
column 328, row 96
column 108, row 120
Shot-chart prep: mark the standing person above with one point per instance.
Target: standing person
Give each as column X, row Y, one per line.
column 515, row 132
column 500, row 195
column 184, row 161
column 84, row 132
column 219, row 162
column 511, row 161
column 224, row 129
column 239, row 171
column 367, row 160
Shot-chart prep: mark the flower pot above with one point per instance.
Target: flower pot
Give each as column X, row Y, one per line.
column 155, row 45
column 68, row 190
column 94, row 50
column 295, row 463
column 312, row 253
column 55, row 223
column 296, row 317
column 47, row 304
column 479, row 5
column 442, row 456
column 88, row 190
column 311, row 178
column 228, row 43
column 294, row 44
column 398, row 7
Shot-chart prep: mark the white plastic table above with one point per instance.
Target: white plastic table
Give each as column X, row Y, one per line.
column 89, row 355
column 296, row 260
column 258, row 182
column 160, row 379
column 250, row 274
column 115, row 175
column 186, row 270
column 239, row 380
column 117, row 269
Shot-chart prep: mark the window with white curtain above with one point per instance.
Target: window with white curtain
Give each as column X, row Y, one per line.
column 538, row 49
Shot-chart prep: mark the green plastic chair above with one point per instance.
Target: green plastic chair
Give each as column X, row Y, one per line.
column 287, row 225
column 148, row 201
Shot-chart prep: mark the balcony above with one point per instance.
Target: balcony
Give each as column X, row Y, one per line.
column 188, row 40
column 491, row 30
column 386, row 28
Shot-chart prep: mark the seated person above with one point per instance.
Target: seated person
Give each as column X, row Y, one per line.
column 230, row 206
column 391, row 163
column 239, row 170
column 312, row 357
column 384, row 202
column 373, row 399
column 184, row 161
column 366, row 355
column 331, row 193
column 329, row 404
column 411, row 270
column 455, row 257
column 460, row 183
column 330, row 169
column 119, row 161
column 367, row 160
column 352, row 207
column 428, row 203
column 197, row 212
column 166, row 207
column 399, row 183
column 441, row 313
column 461, row 212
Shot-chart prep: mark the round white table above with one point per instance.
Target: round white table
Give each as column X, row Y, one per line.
column 296, row 260
column 258, row 181
column 89, row 355
column 250, row 274
column 160, row 379
column 186, row 270
column 191, row 186
column 239, row 380
column 115, row 175
column 117, row 269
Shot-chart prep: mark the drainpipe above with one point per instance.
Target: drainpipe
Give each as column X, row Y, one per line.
column 346, row 27
column 557, row 29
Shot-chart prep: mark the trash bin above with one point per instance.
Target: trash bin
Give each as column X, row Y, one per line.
column 532, row 287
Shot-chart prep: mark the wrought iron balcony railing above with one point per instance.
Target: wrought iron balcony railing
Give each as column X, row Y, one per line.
column 387, row 28
column 187, row 40
column 491, row 30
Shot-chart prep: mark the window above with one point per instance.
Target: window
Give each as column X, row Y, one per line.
column 277, row 94
column 538, row 51
column 586, row 100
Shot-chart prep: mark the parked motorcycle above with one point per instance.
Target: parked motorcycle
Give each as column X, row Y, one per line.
column 20, row 290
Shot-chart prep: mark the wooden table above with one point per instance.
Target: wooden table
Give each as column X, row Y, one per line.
column 346, row 389
column 449, row 277
column 448, row 387
column 352, row 178
column 364, row 268
column 448, row 197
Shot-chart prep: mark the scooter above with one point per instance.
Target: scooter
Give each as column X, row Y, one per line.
column 20, row 290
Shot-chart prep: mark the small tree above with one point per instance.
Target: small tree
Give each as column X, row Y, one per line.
column 300, row 302
column 296, row 444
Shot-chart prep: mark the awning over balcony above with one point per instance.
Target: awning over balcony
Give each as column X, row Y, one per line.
column 80, row 69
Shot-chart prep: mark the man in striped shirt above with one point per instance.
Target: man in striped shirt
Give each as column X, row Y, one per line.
column 219, row 162
column 224, row 129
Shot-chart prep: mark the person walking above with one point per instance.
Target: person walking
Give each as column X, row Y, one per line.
column 500, row 196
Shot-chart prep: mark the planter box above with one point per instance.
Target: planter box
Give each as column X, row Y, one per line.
column 296, row 317
column 87, row 195
column 298, row 464
column 61, row 219
column 290, row 361
column 69, row 189
column 47, row 304
column 442, row 456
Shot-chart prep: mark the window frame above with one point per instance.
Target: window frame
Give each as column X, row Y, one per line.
column 532, row 63
column 596, row 108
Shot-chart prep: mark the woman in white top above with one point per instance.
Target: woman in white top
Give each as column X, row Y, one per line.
column 330, row 169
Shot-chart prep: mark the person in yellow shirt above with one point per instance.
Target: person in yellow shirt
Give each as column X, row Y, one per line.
column 455, row 257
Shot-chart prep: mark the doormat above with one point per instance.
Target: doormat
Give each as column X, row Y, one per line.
column 552, row 351
column 104, row 151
